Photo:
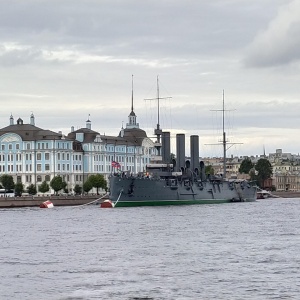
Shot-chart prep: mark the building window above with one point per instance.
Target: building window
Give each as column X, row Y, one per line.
column 39, row 167
column 39, row 156
column 10, row 147
column 47, row 177
column 47, row 167
column 17, row 146
column 3, row 147
column 39, row 178
column 47, row 156
column 28, row 146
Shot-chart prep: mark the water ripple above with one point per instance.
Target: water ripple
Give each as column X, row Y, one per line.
column 235, row 251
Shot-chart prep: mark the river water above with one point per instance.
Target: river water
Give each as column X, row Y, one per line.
column 225, row 251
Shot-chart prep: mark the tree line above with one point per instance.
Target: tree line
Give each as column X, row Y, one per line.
column 259, row 172
column 57, row 184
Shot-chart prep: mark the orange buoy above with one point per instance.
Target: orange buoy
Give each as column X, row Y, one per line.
column 107, row 204
column 46, row 204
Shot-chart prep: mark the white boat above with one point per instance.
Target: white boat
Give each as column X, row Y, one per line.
column 264, row 194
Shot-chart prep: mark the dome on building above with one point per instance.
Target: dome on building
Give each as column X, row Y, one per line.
column 134, row 135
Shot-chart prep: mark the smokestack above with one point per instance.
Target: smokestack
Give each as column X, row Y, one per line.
column 180, row 150
column 166, row 147
column 194, row 143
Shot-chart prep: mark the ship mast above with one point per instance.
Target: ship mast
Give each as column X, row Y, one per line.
column 224, row 141
column 158, row 130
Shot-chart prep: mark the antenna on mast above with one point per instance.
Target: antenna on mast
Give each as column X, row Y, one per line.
column 158, row 130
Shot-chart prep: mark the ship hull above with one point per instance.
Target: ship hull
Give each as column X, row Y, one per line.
column 133, row 191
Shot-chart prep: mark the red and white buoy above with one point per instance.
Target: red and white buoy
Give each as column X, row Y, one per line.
column 107, row 204
column 46, row 204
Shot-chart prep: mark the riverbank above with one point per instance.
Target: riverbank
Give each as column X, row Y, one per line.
column 35, row 201
column 287, row 194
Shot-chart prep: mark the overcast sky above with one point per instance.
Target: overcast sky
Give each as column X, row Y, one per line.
column 63, row 60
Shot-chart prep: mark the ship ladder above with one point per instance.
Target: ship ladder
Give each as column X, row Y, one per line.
column 193, row 192
column 119, row 197
column 239, row 192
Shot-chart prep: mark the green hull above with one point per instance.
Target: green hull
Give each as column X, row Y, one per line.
column 173, row 202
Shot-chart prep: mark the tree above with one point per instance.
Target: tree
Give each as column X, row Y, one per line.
column 209, row 170
column 98, row 181
column 19, row 189
column 246, row 166
column 57, row 184
column 44, row 187
column 172, row 158
column 87, row 186
column 252, row 174
column 77, row 189
column 31, row 189
column 7, row 182
column 264, row 171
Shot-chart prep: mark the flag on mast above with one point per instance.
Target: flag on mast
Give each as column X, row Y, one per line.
column 115, row 164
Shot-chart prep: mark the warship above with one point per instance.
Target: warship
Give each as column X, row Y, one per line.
column 177, row 182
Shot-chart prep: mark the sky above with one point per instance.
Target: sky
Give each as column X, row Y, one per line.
column 67, row 60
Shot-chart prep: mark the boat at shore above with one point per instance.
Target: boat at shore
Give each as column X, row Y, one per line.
column 264, row 194
column 163, row 186
column 177, row 183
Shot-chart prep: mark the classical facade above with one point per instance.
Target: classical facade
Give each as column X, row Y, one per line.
column 31, row 154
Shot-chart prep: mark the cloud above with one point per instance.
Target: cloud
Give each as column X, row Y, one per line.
column 13, row 54
column 279, row 44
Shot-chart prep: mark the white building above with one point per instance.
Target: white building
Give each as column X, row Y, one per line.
column 31, row 154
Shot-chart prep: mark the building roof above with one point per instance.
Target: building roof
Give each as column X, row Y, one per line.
column 134, row 135
column 30, row 132
column 88, row 137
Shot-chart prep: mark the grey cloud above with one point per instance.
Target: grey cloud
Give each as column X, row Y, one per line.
column 19, row 56
column 132, row 27
column 279, row 43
